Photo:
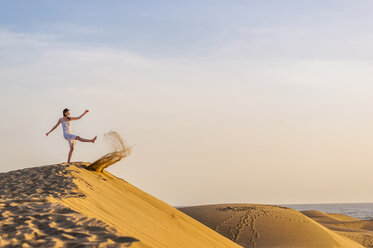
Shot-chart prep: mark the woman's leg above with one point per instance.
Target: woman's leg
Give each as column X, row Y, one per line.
column 86, row 140
column 72, row 144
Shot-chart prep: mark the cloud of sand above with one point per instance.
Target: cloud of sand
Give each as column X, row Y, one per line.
column 120, row 151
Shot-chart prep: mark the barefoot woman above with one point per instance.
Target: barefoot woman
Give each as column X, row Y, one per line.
column 66, row 127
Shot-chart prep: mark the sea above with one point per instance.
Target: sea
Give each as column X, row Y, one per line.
column 363, row 211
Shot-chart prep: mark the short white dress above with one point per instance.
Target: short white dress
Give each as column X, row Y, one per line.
column 66, row 127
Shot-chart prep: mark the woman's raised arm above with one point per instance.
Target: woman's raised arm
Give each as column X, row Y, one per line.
column 77, row 118
column 59, row 121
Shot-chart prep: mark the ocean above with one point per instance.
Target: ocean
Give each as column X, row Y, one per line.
column 363, row 211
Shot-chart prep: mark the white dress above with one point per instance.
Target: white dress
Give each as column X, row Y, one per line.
column 66, row 127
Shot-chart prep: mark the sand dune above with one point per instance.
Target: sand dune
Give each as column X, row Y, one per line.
column 66, row 205
column 359, row 230
column 256, row 225
column 30, row 219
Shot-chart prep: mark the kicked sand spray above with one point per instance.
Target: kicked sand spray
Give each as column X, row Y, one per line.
column 120, row 151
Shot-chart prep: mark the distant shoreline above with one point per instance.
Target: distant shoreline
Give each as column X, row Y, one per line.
column 363, row 210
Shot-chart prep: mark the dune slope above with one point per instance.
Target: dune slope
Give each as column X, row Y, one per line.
column 66, row 205
column 356, row 229
column 135, row 213
column 28, row 218
column 257, row 225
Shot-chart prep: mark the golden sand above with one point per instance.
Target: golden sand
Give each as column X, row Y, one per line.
column 66, row 205
column 257, row 225
column 356, row 229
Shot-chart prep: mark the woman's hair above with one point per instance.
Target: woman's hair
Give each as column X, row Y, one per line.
column 64, row 112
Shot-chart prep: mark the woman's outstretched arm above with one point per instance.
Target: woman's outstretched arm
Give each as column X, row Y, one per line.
column 59, row 121
column 77, row 118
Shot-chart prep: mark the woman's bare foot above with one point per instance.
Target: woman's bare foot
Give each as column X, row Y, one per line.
column 94, row 139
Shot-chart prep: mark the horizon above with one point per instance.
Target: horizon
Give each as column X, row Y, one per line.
column 279, row 204
column 243, row 101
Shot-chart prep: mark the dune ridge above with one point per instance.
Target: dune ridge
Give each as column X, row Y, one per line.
column 137, row 213
column 66, row 205
column 30, row 219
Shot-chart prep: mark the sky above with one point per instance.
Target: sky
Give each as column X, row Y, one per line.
column 221, row 101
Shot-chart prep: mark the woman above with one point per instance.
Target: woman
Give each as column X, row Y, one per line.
column 66, row 127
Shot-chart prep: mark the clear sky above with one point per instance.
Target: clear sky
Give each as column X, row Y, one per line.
column 223, row 101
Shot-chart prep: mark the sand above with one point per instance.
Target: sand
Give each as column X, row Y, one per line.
column 257, row 225
column 66, row 205
column 356, row 229
column 30, row 219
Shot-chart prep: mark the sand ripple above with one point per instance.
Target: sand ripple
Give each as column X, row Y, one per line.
column 29, row 219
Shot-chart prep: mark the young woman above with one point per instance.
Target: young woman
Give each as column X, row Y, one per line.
column 66, row 127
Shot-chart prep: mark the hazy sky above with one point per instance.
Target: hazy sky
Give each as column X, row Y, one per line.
column 223, row 101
